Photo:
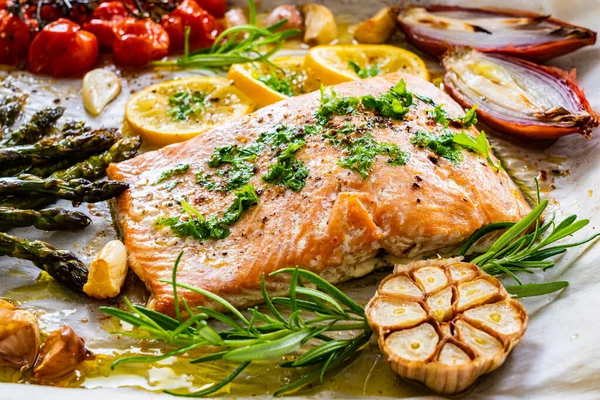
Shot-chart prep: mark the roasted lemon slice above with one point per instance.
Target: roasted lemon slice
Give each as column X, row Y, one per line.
column 337, row 64
column 266, row 84
column 445, row 323
column 178, row 110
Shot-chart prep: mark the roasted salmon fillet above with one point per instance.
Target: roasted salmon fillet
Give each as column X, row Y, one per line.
column 348, row 187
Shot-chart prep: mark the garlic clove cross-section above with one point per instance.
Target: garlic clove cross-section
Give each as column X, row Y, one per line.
column 445, row 323
column 100, row 87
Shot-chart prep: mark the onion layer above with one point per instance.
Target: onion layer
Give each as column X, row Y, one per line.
column 522, row 34
column 517, row 96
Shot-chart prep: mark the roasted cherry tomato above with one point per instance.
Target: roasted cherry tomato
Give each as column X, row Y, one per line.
column 204, row 27
column 104, row 19
column 63, row 49
column 139, row 41
column 217, row 8
column 47, row 15
column 15, row 38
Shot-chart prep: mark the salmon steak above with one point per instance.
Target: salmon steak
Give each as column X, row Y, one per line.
column 337, row 182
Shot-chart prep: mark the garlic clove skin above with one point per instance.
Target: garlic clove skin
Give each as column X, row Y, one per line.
column 108, row 271
column 319, row 24
column 19, row 336
column 100, row 87
column 377, row 29
column 60, row 354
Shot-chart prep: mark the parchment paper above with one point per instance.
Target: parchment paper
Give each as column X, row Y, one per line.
column 560, row 353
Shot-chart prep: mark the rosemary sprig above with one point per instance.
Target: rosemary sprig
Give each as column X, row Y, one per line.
column 238, row 44
column 312, row 314
column 521, row 249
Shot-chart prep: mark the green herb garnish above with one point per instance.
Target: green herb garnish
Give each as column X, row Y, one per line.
column 440, row 115
column 167, row 173
column 310, row 315
column 332, row 104
column 246, row 43
column 470, row 117
column 184, row 104
column 288, row 171
column 361, row 155
column 393, row 104
column 519, row 251
column 197, row 226
column 280, row 85
column 479, row 146
column 367, row 72
column 442, row 145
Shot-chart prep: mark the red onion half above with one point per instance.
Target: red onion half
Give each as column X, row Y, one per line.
column 522, row 34
column 517, row 96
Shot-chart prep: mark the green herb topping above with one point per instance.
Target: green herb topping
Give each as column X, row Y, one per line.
column 393, row 104
column 332, row 104
column 193, row 224
column 281, row 85
column 367, row 72
column 441, row 116
column 184, row 104
column 470, row 117
column 167, row 173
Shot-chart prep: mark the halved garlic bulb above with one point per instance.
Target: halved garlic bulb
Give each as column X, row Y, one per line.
column 19, row 336
column 459, row 325
column 100, row 87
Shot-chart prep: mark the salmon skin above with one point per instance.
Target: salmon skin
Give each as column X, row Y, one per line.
column 338, row 225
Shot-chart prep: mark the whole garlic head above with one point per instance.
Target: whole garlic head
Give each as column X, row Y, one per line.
column 19, row 336
column 445, row 323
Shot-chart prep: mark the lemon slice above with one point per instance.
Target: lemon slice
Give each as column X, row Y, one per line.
column 178, row 110
column 337, row 64
column 266, row 84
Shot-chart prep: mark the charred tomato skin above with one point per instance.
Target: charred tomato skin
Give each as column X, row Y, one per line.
column 15, row 38
column 62, row 49
column 204, row 28
column 536, row 52
column 139, row 41
column 216, row 8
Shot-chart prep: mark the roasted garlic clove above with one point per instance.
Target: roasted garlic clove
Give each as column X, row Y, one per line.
column 319, row 25
column 60, row 354
column 460, row 324
column 290, row 13
column 377, row 29
column 107, row 271
column 100, row 87
column 19, row 336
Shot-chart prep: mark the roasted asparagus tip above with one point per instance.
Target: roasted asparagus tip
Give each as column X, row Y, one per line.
column 50, row 219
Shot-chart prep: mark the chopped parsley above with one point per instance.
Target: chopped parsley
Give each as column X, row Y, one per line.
column 167, row 173
column 288, row 171
column 393, row 104
column 470, row 117
column 367, row 72
column 424, row 99
column 185, row 103
column 363, row 151
column 480, row 145
column 195, row 225
column 442, row 145
column 332, row 104
column 395, row 153
column 280, row 85
column 439, row 115
column 240, row 174
column 204, row 180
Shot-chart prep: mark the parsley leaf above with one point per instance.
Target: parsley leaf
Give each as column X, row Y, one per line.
column 470, row 117
column 287, row 170
column 442, row 145
column 240, row 174
column 397, row 156
column 367, row 72
column 280, row 85
column 361, row 155
column 393, row 104
column 213, row 227
column 439, row 115
column 204, row 180
column 479, row 146
column 167, row 173
column 331, row 105
column 185, row 103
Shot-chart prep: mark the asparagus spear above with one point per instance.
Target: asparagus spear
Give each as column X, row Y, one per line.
column 10, row 109
column 49, row 149
column 36, row 128
column 92, row 168
column 50, row 219
column 62, row 265
column 78, row 190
